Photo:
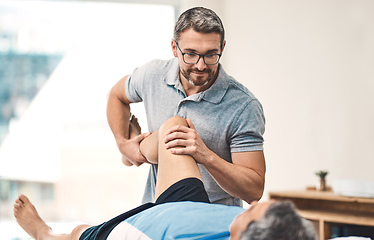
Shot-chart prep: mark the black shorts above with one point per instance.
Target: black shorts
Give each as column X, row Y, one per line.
column 189, row 189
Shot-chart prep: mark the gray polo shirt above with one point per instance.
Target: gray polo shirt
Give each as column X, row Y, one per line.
column 227, row 116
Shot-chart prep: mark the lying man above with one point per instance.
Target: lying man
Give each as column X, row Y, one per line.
column 182, row 209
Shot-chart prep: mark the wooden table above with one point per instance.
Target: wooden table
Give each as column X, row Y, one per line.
column 325, row 209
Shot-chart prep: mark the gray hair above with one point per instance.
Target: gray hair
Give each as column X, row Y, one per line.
column 201, row 20
column 280, row 222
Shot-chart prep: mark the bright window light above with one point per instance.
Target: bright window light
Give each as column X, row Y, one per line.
column 58, row 61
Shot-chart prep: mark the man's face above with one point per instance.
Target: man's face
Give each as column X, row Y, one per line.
column 190, row 41
column 254, row 213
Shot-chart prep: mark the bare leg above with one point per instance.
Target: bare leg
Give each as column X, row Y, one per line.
column 29, row 219
column 173, row 168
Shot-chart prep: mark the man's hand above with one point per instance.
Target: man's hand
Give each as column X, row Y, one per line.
column 183, row 140
column 130, row 150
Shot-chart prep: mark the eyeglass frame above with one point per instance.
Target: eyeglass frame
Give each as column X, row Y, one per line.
column 200, row 56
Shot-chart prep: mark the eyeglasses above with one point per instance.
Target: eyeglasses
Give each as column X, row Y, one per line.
column 194, row 58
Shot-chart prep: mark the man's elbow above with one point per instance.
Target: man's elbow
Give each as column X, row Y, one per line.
column 255, row 193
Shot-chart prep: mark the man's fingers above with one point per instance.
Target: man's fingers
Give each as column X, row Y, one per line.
column 140, row 137
column 178, row 151
column 129, row 163
column 175, row 136
column 176, row 143
column 177, row 128
column 190, row 124
column 137, row 164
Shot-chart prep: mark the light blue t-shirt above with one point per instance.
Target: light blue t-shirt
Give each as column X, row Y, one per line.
column 227, row 116
column 185, row 220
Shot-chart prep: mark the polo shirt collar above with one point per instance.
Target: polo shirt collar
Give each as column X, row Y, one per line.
column 172, row 76
column 214, row 94
column 217, row 91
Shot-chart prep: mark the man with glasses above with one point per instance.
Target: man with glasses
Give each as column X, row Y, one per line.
column 225, row 121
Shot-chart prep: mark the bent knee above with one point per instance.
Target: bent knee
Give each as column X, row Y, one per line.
column 177, row 120
column 173, row 121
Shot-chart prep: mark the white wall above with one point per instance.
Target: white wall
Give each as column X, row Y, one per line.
column 311, row 65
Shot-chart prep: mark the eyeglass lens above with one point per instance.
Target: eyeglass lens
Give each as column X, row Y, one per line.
column 193, row 58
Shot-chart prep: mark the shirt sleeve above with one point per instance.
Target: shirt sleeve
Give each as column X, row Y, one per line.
column 142, row 80
column 133, row 85
column 248, row 128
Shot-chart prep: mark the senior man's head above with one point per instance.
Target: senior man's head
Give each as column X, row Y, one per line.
column 272, row 220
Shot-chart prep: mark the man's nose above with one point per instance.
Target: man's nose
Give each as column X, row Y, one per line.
column 201, row 64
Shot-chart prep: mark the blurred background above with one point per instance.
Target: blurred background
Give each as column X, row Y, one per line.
column 310, row 63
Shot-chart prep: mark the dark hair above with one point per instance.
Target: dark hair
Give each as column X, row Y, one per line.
column 280, row 222
column 201, row 20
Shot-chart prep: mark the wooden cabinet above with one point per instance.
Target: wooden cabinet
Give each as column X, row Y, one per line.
column 331, row 213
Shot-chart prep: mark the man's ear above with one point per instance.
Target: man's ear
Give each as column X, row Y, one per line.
column 174, row 48
column 223, row 45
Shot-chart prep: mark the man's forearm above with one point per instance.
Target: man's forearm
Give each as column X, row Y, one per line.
column 118, row 116
column 241, row 182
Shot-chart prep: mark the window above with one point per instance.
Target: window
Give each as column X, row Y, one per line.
column 58, row 60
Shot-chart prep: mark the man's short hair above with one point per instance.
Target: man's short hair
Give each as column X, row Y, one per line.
column 199, row 19
column 280, row 222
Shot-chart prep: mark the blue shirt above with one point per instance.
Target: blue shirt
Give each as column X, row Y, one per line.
column 185, row 220
column 227, row 116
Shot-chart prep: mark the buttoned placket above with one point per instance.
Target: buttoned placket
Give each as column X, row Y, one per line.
column 181, row 108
